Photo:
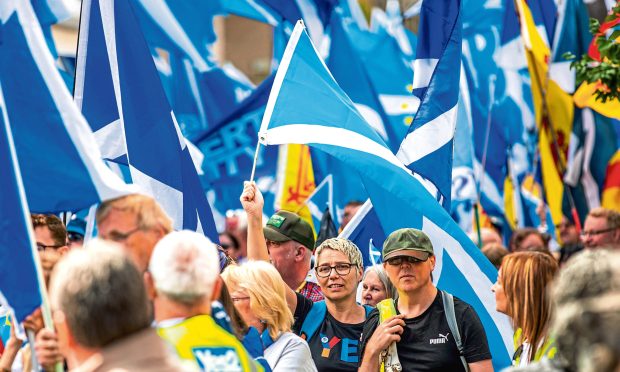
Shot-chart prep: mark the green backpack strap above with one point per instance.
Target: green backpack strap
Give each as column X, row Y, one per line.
column 448, row 307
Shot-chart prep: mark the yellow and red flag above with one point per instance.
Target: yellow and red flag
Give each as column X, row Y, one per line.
column 296, row 180
column 611, row 190
column 554, row 111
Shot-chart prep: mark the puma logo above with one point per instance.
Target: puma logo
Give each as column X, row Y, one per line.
column 441, row 340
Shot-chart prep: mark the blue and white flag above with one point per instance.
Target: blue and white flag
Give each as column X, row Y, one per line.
column 366, row 232
column 19, row 285
column 229, row 149
column 427, row 148
column 329, row 122
column 119, row 88
column 321, row 200
column 60, row 163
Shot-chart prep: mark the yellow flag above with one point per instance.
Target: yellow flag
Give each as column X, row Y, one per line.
column 554, row 112
column 296, row 180
column 584, row 97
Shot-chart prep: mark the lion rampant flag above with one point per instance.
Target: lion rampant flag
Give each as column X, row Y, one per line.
column 296, row 180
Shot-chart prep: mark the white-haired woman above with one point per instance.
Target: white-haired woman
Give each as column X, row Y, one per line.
column 332, row 327
column 259, row 295
column 376, row 286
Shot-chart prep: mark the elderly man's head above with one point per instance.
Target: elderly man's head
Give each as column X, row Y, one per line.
column 601, row 228
column 98, row 297
column 586, row 324
column 183, row 274
column 135, row 221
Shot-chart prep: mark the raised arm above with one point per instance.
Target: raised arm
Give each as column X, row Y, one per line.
column 252, row 202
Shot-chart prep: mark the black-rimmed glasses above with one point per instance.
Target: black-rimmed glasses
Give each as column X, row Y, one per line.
column 42, row 247
column 120, row 237
column 342, row 269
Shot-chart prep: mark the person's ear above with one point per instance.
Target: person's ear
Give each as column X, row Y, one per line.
column 217, row 289
column 432, row 259
column 149, row 283
column 63, row 250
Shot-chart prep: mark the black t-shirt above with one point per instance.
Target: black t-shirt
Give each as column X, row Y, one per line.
column 334, row 346
column 427, row 344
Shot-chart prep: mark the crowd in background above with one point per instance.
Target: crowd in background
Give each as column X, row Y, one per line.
column 143, row 297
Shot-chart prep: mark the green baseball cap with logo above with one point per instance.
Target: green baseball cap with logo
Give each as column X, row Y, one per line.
column 414, row 241
column 284, row 226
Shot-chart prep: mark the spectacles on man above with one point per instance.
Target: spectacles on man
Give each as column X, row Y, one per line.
column 597, row 232
column 342, row 269
column 42, row 247
column 120, row 237
column 399, row 260
column 75, row 237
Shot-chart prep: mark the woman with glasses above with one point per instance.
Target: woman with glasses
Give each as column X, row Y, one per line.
column 259, row 295
column 521, row 293
column 332, row 327
column 433, row 330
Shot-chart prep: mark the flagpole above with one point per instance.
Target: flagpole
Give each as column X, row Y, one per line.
column 255, row 160
column 484, row 157
column 45, row 307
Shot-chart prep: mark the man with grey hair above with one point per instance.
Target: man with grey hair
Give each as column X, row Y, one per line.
column 183, row 279
column 101, row 313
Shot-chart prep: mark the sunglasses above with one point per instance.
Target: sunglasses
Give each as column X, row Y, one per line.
column 399, row 260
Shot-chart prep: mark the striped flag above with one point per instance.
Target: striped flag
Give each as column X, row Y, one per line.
column 19, row 285
column 119, row 91
column 60, row 163
column 427, row 148
column 330, row 122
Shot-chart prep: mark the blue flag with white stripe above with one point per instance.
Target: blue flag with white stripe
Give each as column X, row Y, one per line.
column 60, row 164
column 329, row 122
column 19, row 287
column 427, row 148
column 129, row 108
column 366, row 232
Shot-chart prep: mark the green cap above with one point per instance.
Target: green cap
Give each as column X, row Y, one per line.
column 410, row 240
column 284, row 226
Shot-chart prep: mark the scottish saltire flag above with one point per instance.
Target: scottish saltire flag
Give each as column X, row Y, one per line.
column 316, row 14
column 119, row 90
column 464, row 186
column 348, row 69
column 366, row 232
column 320, row 201
column 53, row 141
column 375, row 74
column 19, row 284
column 330, row 122
column 179, row 26
column 229, row 149
column 437, row 66
column 50, row 12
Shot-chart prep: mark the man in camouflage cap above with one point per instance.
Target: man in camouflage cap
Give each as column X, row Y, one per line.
column 290, row 241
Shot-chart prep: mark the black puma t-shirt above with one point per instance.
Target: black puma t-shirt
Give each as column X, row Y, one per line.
column 334, row 346
column 427, row 343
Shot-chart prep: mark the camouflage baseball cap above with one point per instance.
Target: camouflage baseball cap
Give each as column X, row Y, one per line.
column 284, row 226
column 411, row 240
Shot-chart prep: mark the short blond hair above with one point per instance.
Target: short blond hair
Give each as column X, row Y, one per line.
column 148, row 212
column 345, row 246
column 267, row 292
column 612, row 217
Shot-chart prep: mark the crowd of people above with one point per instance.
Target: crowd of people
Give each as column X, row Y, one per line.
column 141, row 297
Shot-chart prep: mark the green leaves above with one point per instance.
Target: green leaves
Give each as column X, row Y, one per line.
column 607, row 68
